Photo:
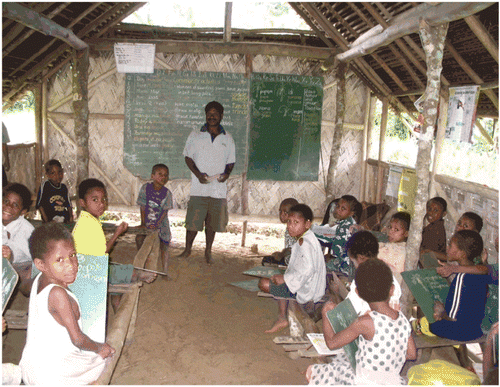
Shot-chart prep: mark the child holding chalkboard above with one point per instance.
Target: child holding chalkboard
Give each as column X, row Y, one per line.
column 347, row 212
column 57, row 351
column 305, row 277
column 460, row 318
column 384, row 334
column 155, row 200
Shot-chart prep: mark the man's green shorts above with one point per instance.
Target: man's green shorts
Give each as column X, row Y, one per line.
column 208, row 212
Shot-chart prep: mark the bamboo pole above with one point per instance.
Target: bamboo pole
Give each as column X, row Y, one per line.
column 227, row 22
column 44, row 146
column 364, row 151
column 383, row 129
column 37, row 91
column 339, row 128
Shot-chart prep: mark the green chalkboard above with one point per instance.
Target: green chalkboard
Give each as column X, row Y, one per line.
column 427, row 286
column 285, row 127
column 162, row 108
column 340, row 318
column 90, row 288
column 491, row 309
column 9, row 281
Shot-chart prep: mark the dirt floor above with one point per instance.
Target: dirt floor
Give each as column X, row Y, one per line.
column 196, row 328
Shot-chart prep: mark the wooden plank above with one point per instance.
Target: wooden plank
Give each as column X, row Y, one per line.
column 291, row 340
column 311, row 352
column 16, row 319
column 424, row 341
column 296, row 347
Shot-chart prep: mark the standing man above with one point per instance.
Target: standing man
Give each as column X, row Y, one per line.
column 210, row 155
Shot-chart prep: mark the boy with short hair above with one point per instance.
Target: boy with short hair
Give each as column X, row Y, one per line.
column 434, row 234
column 53, row 198
column 305, row 277
column 16, row 231
column 393, row 252
column 89, row 236
column 283, row 257
column 155, row 200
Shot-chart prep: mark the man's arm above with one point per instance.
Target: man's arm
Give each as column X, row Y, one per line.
column 227, row 171
column 202, row 177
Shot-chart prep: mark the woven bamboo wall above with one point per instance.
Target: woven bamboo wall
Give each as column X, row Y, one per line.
column 106, row 136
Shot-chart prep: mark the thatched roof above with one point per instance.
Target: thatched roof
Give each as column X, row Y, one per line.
column 396, row 70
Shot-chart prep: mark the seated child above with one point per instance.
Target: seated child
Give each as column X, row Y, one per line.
column 385, row 340
column 461, row 317
column 57, row 351
column 468, row 221
column 394, row 252
column 155, row 200
column 345, row 212
column 16, row 231
column 90, row 239
column 305, row 277
column 53, row 198
column 361, row 247
column 283, row 257
column 434, row 234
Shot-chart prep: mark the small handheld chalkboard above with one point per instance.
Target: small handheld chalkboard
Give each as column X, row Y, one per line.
column 341, row 317
column 427, row 286
column 90, row 288
column 9, row 281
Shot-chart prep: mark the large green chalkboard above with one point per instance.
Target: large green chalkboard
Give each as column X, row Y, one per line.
column 161, row 109
column 285, row 127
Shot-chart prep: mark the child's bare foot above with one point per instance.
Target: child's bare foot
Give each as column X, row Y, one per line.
column 145, row 276
column 208, row 257
column 278, row 326
column 186, row 253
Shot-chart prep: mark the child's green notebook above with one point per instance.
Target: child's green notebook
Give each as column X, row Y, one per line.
column 9, row 281
column 341, row 317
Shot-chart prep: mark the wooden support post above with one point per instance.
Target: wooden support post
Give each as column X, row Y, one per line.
column 244, row 233
column 341, row 70
column 37, row 91
column 364, row 152
column 380, row 169
column 44, row 132
column 81, row 110
column 227, row 22
column 244, row 194
column 441, row 130
column 433, row 41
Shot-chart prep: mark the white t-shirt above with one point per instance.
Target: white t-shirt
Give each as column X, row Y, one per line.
column 16, row 235
column 361, row 306
column 210, row 158
column 306, row 271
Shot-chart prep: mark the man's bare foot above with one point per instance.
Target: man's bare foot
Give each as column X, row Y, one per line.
column 146, row 276
column 278, row 326
column 208, row 257
column 186, row 253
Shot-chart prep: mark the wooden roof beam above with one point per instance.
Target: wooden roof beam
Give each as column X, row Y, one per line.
column 408, row 23
column 483, row 35
column 470, row 72
column 278, row 49
column 40, row 23
column 22, row 81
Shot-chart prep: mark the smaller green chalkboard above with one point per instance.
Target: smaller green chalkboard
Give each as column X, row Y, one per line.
column 252, row 285
column 90, row 288
column 9, row 281
column 429, row 260
column 341, row 317
column 427, row 286
column 263, row 271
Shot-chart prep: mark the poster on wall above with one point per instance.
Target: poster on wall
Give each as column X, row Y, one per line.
column 135, row 57
column 462, row 113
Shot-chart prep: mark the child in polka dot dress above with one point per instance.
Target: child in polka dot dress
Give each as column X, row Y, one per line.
column 385, row 340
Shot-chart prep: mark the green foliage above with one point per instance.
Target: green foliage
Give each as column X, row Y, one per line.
column 27, row 103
